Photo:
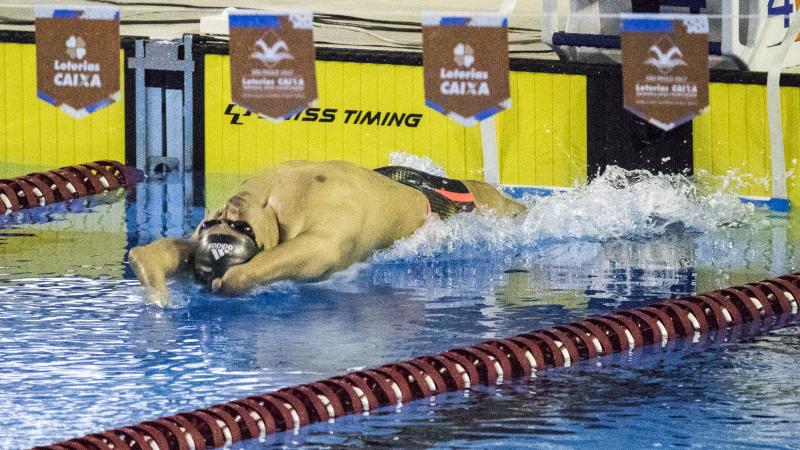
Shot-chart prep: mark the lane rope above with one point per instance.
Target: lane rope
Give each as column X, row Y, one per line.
column 65, row 183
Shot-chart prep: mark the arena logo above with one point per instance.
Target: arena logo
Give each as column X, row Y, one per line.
column 464, row 82
column 665, row 67
column 77, row 57
column 272, row 62
column 271, row 54
column 81, row 73
column 463, row 55
column 331, row 115
column 665, row 60
column 465, row 65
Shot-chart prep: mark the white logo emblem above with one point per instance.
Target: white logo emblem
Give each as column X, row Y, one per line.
column 302, row 20
column 220, row 250
column 270, row 55
column 76, row 47
column 463, row 55
column 665, row 61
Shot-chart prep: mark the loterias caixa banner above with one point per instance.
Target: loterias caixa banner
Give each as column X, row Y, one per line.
column 77, row 57
column 272, row 62
column 665, row 67
column 466, row 67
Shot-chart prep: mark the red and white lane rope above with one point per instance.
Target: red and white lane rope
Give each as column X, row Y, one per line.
column 66, row 183
column 487, row 363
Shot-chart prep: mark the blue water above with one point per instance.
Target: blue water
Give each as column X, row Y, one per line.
column 80, row 351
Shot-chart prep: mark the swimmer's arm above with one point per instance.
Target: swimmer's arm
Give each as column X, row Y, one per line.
column 157, row 261
column 309, row 256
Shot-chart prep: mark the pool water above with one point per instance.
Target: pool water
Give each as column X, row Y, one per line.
column 81, row 352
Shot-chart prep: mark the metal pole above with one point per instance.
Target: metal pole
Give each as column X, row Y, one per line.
column 188, row 104
column 491, row 159
column 141, row 109
column 775, row 117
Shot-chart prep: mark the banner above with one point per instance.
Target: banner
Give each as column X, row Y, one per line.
column 77, row 57
column 665, row 67
column 465, row 62
column 272, row 62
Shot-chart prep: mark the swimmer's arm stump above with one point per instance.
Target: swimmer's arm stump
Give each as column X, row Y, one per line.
column 308, row 256
column 157, row 261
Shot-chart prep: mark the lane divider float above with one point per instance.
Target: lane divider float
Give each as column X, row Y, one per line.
column 65, row 183
column 487, row 363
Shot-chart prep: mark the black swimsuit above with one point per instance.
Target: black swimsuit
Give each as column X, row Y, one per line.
column 445, row 196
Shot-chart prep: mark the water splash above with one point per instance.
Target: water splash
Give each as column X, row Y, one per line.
column 618, row 204
column 422, row 163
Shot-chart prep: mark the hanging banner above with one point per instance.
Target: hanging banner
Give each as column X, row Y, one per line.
column 77, row 57
column 272, row 62
column 465, row 62
column 665, row 67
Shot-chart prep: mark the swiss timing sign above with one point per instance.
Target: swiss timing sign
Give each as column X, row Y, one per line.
column 465, row 62
column 665, row 67
column 272, row 62
column 77, row 57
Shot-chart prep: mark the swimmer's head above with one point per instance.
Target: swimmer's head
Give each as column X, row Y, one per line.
column 222, row 244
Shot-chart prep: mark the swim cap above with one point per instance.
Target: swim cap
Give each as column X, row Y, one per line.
column 216, row 252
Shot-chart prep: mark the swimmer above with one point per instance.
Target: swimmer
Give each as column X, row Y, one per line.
column 305, row 220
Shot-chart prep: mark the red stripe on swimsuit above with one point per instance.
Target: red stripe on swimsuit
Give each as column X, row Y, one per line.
column 456, row 196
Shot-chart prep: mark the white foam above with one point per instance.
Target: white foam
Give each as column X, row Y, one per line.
column 345, row 281
column 422, row 163
column 618, row 204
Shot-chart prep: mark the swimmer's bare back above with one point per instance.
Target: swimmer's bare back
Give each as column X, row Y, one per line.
column 309, row 219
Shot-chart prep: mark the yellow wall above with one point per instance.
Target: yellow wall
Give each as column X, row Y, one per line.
column 734, row 134
column 35, row 135
column 542, row 138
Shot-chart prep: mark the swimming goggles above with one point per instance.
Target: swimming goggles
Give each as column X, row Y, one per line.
column 240, row 226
